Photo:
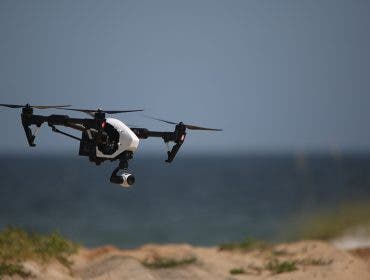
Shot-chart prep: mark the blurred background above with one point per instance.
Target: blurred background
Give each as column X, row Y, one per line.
column 288, row 82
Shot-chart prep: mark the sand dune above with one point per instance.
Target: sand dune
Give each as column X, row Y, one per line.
column 307, row 260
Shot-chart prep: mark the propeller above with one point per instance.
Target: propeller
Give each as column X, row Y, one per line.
column 188, row 126
column 93, row 112
column 15, row 106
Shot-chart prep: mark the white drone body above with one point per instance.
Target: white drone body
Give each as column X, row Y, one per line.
column 128, row 141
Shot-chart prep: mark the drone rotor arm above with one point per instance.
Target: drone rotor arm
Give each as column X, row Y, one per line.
column 177, row 136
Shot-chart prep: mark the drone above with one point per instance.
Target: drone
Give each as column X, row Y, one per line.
column 104, row 138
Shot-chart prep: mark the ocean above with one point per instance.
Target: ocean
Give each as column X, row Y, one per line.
column 202, row 200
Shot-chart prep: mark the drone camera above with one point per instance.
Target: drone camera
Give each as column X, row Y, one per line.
column 126, row 180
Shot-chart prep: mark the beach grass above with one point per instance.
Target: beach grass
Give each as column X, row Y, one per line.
column 276, row 266
column 332, row 223
column 164, row 262
column 17, row 245
column 236, row 271
column 248, row 244
column 13, row 269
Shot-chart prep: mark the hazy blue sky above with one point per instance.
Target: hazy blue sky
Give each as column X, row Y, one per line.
column 276, row 75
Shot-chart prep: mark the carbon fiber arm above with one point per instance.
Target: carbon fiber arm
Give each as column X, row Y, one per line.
column 177, row 136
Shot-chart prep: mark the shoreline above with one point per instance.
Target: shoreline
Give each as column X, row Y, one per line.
column 301, row 260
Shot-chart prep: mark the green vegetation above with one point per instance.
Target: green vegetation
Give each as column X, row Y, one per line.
column 17, row 245
column 13, row 269
column 275, row 266
column 332, row 223
column 316, row 262
column 279, row 253
column 236, row 271
column 162, row 262
column 247, row 244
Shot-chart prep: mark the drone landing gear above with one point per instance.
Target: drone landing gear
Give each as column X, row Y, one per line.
column 124, row 179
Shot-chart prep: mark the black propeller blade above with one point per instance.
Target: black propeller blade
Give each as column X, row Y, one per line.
column 188, row 126
column 14, row 106
column 92, row 112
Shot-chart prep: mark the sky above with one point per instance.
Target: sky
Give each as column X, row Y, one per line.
column 275, row 75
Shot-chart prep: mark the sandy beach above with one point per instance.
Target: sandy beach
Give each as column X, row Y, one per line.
column 299, row 261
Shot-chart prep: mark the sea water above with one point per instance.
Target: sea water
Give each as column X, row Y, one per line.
column 199, row 199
